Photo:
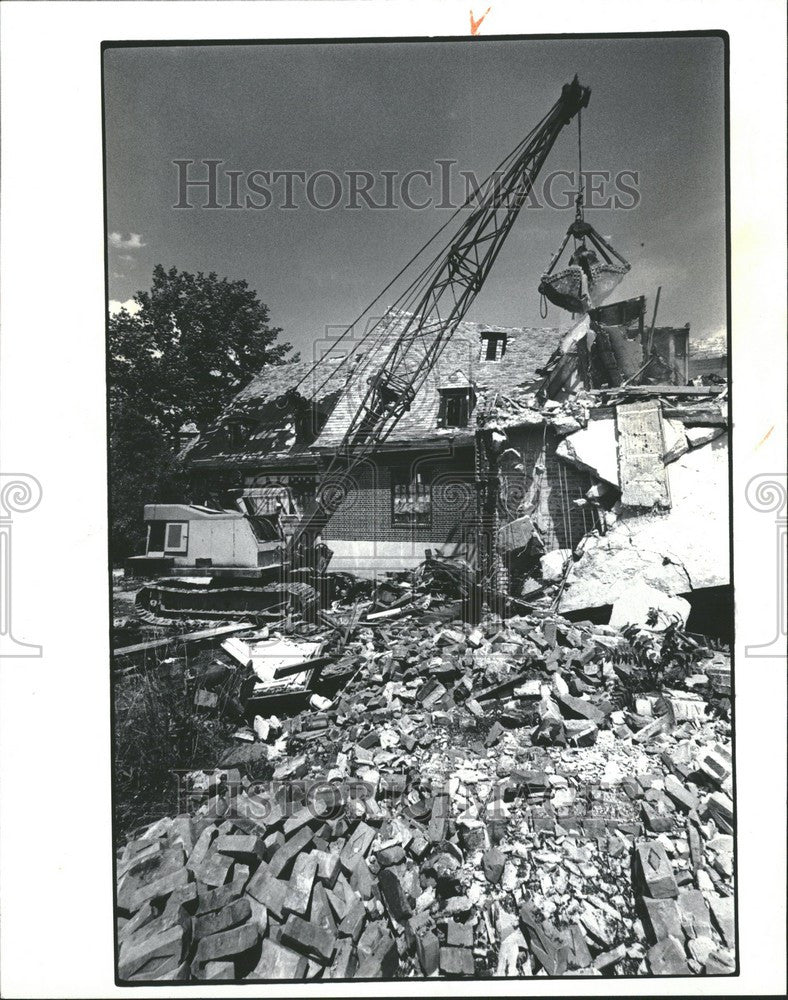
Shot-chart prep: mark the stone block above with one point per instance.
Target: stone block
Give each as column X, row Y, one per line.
column 238, row 912
column 456, row 961
column 155, row 954
column 667, row 958
column 299, row 891
column 229, row 943
column 655, row 872
column 309, row 940
column 278, row 962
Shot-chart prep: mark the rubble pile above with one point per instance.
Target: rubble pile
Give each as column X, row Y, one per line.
column 510, row 799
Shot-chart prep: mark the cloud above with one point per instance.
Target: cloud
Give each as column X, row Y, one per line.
column 119, row 242
column 710, row 342
column 128, row 257
column 129, row 305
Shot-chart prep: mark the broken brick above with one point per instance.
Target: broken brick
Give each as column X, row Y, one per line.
column 456, row 961
column 234, row 941
column 655, row 871
column 237, row 912
column 312, row 941
column 299, row 890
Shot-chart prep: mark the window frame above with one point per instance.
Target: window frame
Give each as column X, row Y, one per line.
column 450, row 394
column 494, row 337
column 148, row 550
column 181, row 549
column 398, row 481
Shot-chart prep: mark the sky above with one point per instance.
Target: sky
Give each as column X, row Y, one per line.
column 656, row 109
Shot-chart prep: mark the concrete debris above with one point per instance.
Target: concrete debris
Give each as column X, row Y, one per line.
column 514, row 799
column 675, row 436
column 611, row 565
column 594, row 449
column 636, row 602
column 515, row 535
column 698, row 436
column 553, row 564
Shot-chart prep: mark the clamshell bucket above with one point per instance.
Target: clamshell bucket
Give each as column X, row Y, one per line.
column 591, row 276
column 579, row 291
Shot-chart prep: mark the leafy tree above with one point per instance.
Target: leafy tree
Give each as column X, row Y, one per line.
column 143, row 469
column 193, row 343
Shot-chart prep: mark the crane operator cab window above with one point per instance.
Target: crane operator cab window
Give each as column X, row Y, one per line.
column 166, row 537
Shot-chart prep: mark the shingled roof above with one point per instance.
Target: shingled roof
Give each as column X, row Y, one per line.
column 284, row 419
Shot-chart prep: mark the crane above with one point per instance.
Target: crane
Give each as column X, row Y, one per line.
column 449, row 287
column 441, row 296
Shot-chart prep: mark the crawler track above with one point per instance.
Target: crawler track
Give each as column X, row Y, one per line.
column 171, row 603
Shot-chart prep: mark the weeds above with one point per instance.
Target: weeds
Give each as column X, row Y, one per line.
column 158, row 732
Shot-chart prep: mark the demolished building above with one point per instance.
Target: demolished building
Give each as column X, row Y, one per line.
column 607, row 468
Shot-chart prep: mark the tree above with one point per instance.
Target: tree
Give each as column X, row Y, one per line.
column 193, row 343
column 142, row 469
column 195, row 340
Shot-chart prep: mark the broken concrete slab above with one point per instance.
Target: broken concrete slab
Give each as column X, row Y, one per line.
column 677, row 551
column 553, row 564
column 634, row 606
column 698, row 436
column 515, row 535
column 593, row 449
column 676, row 443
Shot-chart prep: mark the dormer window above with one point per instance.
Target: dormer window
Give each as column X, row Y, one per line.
column 493, row 345
column 237, row 432
column 456, row 407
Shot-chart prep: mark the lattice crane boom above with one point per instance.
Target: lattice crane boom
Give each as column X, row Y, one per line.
column 450, row 285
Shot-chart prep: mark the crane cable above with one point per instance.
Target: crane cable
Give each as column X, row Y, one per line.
column 515, row 152
column 413, row 291
column 580, row 160
column 579, row 199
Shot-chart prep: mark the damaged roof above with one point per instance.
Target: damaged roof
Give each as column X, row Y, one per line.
column 291, row 412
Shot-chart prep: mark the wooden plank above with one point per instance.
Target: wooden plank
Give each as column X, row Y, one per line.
column 186, row 639
column 660, row 390
column 698, row 415
column 641, row 447
column 296, row 668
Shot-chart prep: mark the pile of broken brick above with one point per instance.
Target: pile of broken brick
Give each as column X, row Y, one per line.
column 484, row 801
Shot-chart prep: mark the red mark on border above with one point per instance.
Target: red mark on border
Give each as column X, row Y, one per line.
column 765, row 436
column 475, row 25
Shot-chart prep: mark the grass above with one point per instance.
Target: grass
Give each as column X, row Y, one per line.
column 159, row 732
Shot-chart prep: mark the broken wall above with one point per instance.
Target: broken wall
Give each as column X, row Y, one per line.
column 676, row 551
column 537, row 483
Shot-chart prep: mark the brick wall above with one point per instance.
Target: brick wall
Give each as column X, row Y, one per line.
column 366, row 513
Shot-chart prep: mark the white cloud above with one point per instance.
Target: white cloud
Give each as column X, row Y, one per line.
column 713, row 342
column 129, row 305
column 119, row 242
